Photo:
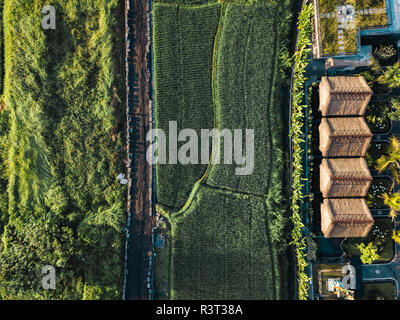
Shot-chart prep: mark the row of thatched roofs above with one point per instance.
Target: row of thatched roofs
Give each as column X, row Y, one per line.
column 344, row 140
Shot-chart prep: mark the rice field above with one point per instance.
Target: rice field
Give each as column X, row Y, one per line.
column 226, row 234
column 222, row 250
column 246, row 95
column 183, row 60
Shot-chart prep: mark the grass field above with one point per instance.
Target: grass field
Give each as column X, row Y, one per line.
column 63, row 206
column 183, row 59
column 226, row 241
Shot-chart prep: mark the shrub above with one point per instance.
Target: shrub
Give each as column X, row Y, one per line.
column 369, row 252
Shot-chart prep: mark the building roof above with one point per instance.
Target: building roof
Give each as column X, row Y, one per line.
column 345, row 218
column 344, row 177
column 343, row 96
column 344, row 137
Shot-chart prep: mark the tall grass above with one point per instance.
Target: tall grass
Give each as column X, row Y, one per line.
column 62, row 97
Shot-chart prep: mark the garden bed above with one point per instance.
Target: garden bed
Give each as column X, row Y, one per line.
column 222, row 242
column 380, row 233
column 377, row 117
column 378, row 187
column 339, row 35
column 375, row 150
column 182, row 87
column 378, row 291
column 322, row 273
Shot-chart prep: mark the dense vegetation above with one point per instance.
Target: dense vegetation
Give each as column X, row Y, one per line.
column 1, row 47
column 225, row 242
column 59, row 133
column 300, row 57
column 183, row 49
column 185, row 2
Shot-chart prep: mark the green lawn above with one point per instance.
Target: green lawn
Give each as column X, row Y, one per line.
column 379, row 291
column 328, row 26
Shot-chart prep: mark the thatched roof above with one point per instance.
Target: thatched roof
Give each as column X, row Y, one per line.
column 345, row 218
column 344, row 137
column 343, row 96
column 344, row 177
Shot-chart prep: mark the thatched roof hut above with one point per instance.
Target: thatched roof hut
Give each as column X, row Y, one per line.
column 345, row 218
column 344, row 137
column 343, row 96
column 344, row 177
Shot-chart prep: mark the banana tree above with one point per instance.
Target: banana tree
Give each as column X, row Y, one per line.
column 391, row 161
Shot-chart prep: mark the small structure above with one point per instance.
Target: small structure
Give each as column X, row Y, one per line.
column 160, row 241
column 343, row 96
column 329, row 276
column 344, row 137
column 335, row 63
column 342, row 218
column 344, row 177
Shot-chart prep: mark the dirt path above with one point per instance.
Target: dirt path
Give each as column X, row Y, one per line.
column 139, row 121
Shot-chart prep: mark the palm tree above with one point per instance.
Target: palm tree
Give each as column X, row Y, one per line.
column 393, row 201
column 396, row 236
column 392, row 160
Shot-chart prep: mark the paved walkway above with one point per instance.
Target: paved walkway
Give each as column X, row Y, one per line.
column 385, row 271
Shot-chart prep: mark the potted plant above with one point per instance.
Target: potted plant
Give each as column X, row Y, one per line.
column 379, row 187
column 375, row 150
